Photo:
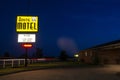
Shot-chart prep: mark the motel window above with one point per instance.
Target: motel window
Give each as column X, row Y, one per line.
column 86, row 54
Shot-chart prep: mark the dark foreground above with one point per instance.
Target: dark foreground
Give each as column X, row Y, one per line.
column 98, row 73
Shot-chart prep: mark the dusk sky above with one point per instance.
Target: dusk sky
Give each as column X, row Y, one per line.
column 70, row 25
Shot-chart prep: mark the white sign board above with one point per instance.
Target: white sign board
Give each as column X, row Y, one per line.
column 26, row 38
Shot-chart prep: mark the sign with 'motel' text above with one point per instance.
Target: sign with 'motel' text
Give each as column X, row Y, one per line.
column 26, row 38
column 27, row 24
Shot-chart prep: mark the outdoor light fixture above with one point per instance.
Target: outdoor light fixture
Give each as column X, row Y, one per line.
column 27, row 45
column 76, row 55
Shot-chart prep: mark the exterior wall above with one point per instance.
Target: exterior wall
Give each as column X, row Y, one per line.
column 108, row 53
column 111, row 56
column 86, row 56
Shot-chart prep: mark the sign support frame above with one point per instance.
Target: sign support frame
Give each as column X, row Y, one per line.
column 26, row 57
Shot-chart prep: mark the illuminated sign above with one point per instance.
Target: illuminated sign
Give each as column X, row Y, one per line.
column 27, row 24
column 27, row 45
column 26, row 38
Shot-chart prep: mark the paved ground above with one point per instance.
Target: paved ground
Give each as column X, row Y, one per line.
column 106, row 73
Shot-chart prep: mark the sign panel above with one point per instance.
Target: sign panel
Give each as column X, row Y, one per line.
column 26, row 38
column 27, row 24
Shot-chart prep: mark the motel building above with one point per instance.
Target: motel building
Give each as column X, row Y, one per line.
column 108, row 53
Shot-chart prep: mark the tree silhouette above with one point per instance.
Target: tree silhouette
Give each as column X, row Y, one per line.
column 22, row 56
column 33, row 55
column 6, row 54
column 39, row 53
column 63, row 55
column 0, row 55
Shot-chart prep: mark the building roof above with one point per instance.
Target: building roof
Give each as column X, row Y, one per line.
column 112, row 44
column 109, row 43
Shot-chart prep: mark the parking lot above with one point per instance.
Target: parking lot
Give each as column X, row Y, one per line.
column 108, row 72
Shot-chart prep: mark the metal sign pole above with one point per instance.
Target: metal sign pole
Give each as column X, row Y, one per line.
column 26, row 57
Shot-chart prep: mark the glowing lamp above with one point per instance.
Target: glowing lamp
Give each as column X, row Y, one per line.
column 27, row 45
column 76, row 55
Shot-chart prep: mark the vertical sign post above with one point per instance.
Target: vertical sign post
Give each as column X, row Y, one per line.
column 26, row 46
column 26, row 57
column 24, row 27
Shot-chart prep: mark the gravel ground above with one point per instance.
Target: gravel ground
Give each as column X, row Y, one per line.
column 101, row 73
